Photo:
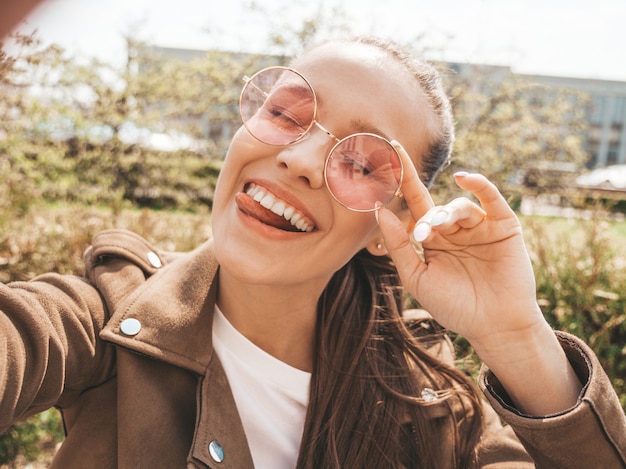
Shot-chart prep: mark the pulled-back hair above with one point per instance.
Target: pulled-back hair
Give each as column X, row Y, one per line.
column 428, row 77
column 365, row 409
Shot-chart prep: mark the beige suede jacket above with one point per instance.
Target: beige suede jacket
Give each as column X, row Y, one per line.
column 125, row 353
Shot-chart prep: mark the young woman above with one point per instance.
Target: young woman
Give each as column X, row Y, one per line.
column 282, row 342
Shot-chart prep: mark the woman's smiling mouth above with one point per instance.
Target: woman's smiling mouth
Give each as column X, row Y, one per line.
column 269, row 209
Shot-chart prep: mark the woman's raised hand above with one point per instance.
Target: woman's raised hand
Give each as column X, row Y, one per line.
column 476, row 279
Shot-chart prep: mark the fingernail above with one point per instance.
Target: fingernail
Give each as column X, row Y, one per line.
column 439, row 218
column 421, row 232
column 460, row 174
column 397, row 145
column 378, row 205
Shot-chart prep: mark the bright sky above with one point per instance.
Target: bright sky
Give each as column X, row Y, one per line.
column 576, row 38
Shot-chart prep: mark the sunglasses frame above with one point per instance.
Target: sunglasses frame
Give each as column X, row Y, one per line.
column 249, row 82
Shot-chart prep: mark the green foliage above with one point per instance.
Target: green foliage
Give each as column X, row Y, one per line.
column 69, row 140
column 580, row 272
column 581, row 283
column 76, row 171
column 26, row 440
column 508, row 126
column 50, row 238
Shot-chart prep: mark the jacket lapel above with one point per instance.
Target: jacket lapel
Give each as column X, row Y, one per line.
column 171, row 313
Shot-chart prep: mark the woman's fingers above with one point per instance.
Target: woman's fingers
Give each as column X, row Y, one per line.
column 461, row 213
column 394, row 230
column 448, row 219
column 487, row 193
column 457, row 224
column 413, row 189
column 399, row 245
column 464, row 215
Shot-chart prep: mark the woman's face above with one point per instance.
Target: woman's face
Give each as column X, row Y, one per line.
column 359, row 88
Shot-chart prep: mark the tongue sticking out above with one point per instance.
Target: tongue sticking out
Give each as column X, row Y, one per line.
column 248, row 205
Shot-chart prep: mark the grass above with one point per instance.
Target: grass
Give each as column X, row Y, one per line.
column 574, row 228
column 53, row 238
column 619, row 231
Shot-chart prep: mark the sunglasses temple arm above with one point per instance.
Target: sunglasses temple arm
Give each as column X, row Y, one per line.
column 248, row 82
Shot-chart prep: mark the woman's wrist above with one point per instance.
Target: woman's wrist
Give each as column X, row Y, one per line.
column 533, row 369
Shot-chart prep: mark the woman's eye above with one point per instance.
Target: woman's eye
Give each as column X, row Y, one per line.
column 284, row 118
column 356, row 163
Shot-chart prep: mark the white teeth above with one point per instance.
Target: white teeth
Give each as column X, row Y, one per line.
column 267, row 201
column 253, row 190
column 295, row 219
column 279, row 207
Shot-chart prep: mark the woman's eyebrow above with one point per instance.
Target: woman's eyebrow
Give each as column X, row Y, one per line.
column 361, row 126
column 297, row 89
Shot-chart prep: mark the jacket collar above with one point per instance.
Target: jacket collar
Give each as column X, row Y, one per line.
column 174, row 311
column 171, row 313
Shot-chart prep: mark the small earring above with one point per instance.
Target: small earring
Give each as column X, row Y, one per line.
column 379, row 246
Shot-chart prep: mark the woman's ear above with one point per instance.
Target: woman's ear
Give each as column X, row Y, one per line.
column 377, row 247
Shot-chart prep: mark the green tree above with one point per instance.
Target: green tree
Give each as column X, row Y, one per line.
column 509, row 127
column 22, row 116
column 68, row 139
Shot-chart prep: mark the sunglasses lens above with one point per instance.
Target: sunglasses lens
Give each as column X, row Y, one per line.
column 363, row 171
column 277, row 106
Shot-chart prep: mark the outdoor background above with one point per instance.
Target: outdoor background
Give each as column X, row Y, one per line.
column 108, row 119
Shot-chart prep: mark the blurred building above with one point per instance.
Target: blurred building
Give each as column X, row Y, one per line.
column 606, row 116
column 606, row 140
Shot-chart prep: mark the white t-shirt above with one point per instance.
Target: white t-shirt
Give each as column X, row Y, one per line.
column 271, row 396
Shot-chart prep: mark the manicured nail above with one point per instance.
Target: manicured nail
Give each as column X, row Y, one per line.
column 421, row 232
column 377, row 205
column 461, row 174
column 398, row 146
column 439, row 218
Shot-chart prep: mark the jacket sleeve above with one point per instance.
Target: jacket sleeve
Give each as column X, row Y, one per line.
column 49, row 347
column 591, row 434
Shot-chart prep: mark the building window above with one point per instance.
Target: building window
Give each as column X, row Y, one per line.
column 618, row 109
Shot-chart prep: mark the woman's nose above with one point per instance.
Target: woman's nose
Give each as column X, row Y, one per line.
column 305, row 159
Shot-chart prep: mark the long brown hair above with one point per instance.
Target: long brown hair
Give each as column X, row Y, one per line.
column 364, row 409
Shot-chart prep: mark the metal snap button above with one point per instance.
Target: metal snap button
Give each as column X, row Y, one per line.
column 154, row 260
column 130, row 326
column 216, row 451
